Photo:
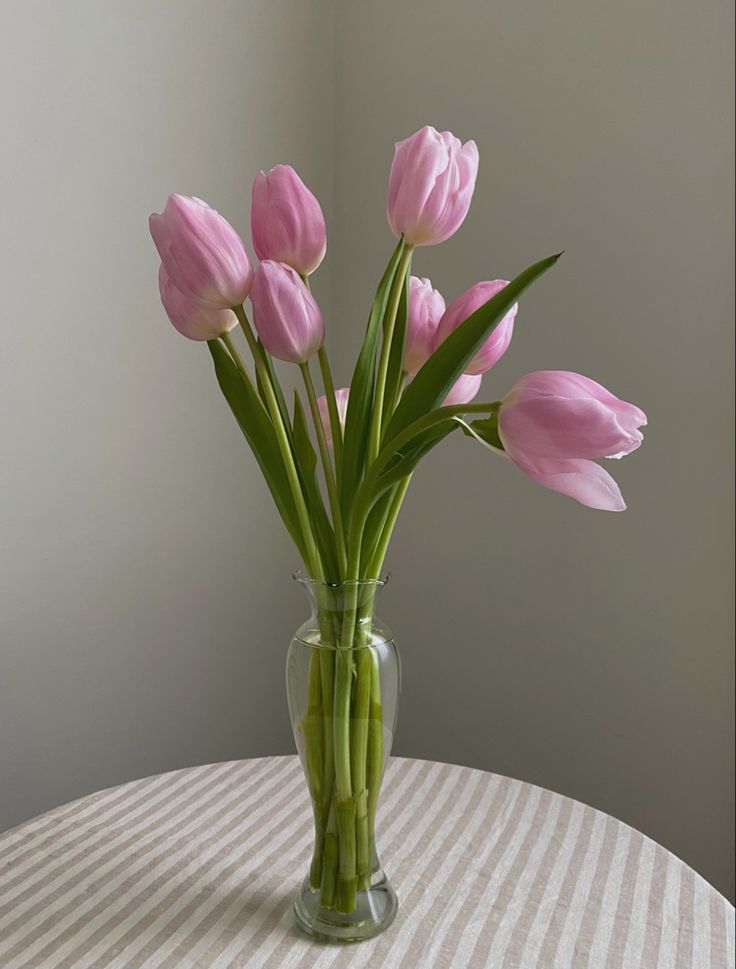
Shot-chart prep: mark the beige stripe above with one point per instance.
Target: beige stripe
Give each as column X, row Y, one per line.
column 591, row 914
column 551, row 938
column 718, row 955
column 504, row 904
column 250, row 866
column 625, row 904
column 430, row 929
column 686, row 919
column 417, row 826
column 638, row 925
column 286, row 944
column 63, row 874
column 77, row 897
column 138, row 901
column 670, row 913
column 701, row 936
column 539, row 886
column 496, row 914
column 653, row 936
column 501, row 839
column 730, row 936
column 433, row 828
column 78, row 830
column 30, row 834
column 614, row 879
column 276, row 904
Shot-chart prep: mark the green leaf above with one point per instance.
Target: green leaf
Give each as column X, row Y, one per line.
column 433, row 381
column 256, row 425
column 486, row 430
column 307, row 463
column 405, row 460
column 396, row 355
column 362, row 386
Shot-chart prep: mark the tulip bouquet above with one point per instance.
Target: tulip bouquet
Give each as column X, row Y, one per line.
column 416, row 380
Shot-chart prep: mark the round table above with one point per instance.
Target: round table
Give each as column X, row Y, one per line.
column 199, row 867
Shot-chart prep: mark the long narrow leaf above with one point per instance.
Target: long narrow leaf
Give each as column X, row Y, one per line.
column 408, row 457
column 256, row 425
column 396, row 357
column 433, row 381
column 362, row 386
column 307, row 461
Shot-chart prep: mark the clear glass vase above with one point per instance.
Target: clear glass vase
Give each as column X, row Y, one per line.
column 343, row 680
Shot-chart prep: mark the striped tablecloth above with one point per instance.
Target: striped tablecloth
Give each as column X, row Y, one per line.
column 199, row 867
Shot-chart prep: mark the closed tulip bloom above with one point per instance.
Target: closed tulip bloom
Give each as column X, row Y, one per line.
column 341, row 400
column 464, row 306
column 201, row 252
column 430, row 186
column 553, row 422
column 192, row 320
column 285, row 314
column 286, row 220
column 464, row 389
column 426, row 306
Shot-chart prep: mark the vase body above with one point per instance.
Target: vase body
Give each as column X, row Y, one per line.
column 343, row 680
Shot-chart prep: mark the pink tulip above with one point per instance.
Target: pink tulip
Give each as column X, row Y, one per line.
column 464, row 389
column 430, row 186
column 202, row 253
column 285, row 313
column 286, row 220
column 552, row 422
column 341, row 399
column 426, row 306
column 466, row 304
column 192, row 320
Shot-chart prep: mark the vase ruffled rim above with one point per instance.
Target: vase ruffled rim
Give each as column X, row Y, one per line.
column 301, row 575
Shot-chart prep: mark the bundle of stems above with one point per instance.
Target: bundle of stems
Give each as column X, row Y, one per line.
column 342, row 525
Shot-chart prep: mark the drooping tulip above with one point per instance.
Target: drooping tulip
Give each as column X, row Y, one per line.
column 553, row 422
column 287, row 224
column 497, row 343
column 464, row 389
column 341, row 400
column 192, row 320
column 201, row 252
column 426, row 306
column 285, row 314
column 430, row 186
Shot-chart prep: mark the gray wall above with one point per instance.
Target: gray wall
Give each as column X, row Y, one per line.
column 587, row 652
column 144, row 602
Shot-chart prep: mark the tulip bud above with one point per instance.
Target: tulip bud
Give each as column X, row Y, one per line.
column 430, row 186
column 192, row 320
column 285, row 314
column 552, row 422
column 426, row 306
column 341, row 400
column 286, row 220
column 201, row 252
column 464, row 389
column 466, row 304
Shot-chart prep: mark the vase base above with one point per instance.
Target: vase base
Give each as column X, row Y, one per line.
column 374, row 911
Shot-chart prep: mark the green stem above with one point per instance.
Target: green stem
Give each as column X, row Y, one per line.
column 238, row 360
column 327, row 466
column 314, row 563
column 335, row 427
column 312, row 729
column 376, row 564
column 374, row 438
